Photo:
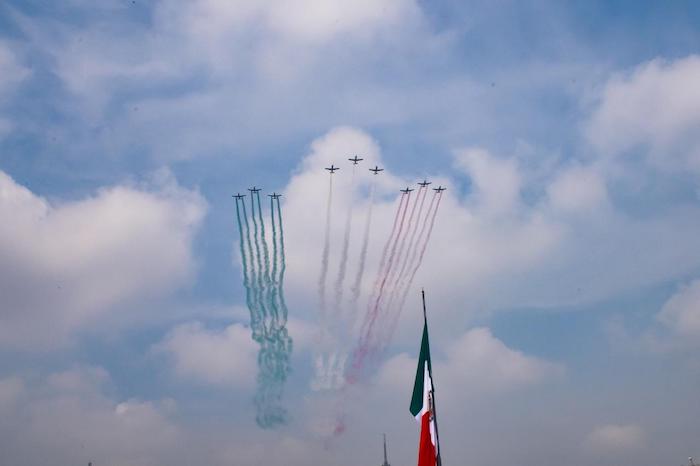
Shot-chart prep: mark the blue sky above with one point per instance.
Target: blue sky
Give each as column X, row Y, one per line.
column 563, row 274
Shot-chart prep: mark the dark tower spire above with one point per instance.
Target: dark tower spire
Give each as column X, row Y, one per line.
column 386, row 463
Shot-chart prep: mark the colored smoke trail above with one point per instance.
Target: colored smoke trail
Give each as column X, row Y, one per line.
column 337, row 303
column 324, row 255
column 406, row 242
column 414, row 270
column 365, row 344
column 390, row 262
column 284, row 340
column 282, row 265
column 275, row 256
column 269, row 299
column 271, row 334
column 255, row 317
column 357, row 285
column 244, row 263
column 411, row 248
column 259, row 285
column 385, row 252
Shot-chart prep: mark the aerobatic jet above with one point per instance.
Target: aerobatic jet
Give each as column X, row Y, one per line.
column 275, row 195
column 439, row 189
column 332, row 169
column 253, row 189
column 355, row 159
column 239, row 196
column 376, row 170
column 424, row 183
column 407, row 190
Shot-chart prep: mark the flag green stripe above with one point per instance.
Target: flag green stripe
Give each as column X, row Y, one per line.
column 417, row 398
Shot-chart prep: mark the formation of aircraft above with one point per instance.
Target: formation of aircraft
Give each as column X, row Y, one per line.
column 333, row 169
column 355, row 159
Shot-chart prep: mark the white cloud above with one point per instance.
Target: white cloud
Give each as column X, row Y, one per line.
column 655, row 107
column 67, row 264
column 496, row 181
column 67, row 417
column 615, row 438
column 578, row 189
column 301, row 20
column 493, row 248
column 682, row 311
column 11, row 389
column 11, row 70
column 224, row 357
column 475, row 364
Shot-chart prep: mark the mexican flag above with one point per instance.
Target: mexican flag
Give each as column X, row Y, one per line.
column 423, row 406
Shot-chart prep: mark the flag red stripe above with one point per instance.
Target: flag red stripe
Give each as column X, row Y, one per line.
column 426, row 449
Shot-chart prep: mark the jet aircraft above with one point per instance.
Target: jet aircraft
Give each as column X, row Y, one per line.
column 424, row 183
column 332, row 169
column 239, row 196
column 253, row 189
column 275, row 195
column 355, row 159
column 376, row 170
column 439, row 189
column 407, row 190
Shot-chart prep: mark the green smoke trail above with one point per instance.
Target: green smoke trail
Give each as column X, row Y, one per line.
column 258, row 286
column 253, row 307
column 268, row 310
column 275, row 257
column 244, row 261
column 283, row 264
column 271, row 306
column 269, row 413
column 280, row 337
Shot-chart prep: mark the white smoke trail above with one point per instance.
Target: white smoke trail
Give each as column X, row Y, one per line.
column 342, row 266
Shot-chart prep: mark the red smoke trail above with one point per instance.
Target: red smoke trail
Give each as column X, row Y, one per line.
column 416, row 266
column 399, row 277
column 364, row 345
column 385, row 251
column 382, row 262
column 411, row 258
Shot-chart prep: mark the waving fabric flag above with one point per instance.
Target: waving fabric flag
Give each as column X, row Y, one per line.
column 423, row 404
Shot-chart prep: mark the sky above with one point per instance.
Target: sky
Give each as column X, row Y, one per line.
column 562, row 275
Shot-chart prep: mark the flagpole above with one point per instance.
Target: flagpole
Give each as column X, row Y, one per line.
column 432, row 388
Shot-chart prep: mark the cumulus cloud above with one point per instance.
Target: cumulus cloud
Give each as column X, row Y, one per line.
column 578, row 189
column 69, row 418
column 214, row 357
column 655, row 108
column 67, row 264
column 475, row 364
column 496, row 181
column 682, row 311
column 615, row 438
column 250, row 60
column 494, row 247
